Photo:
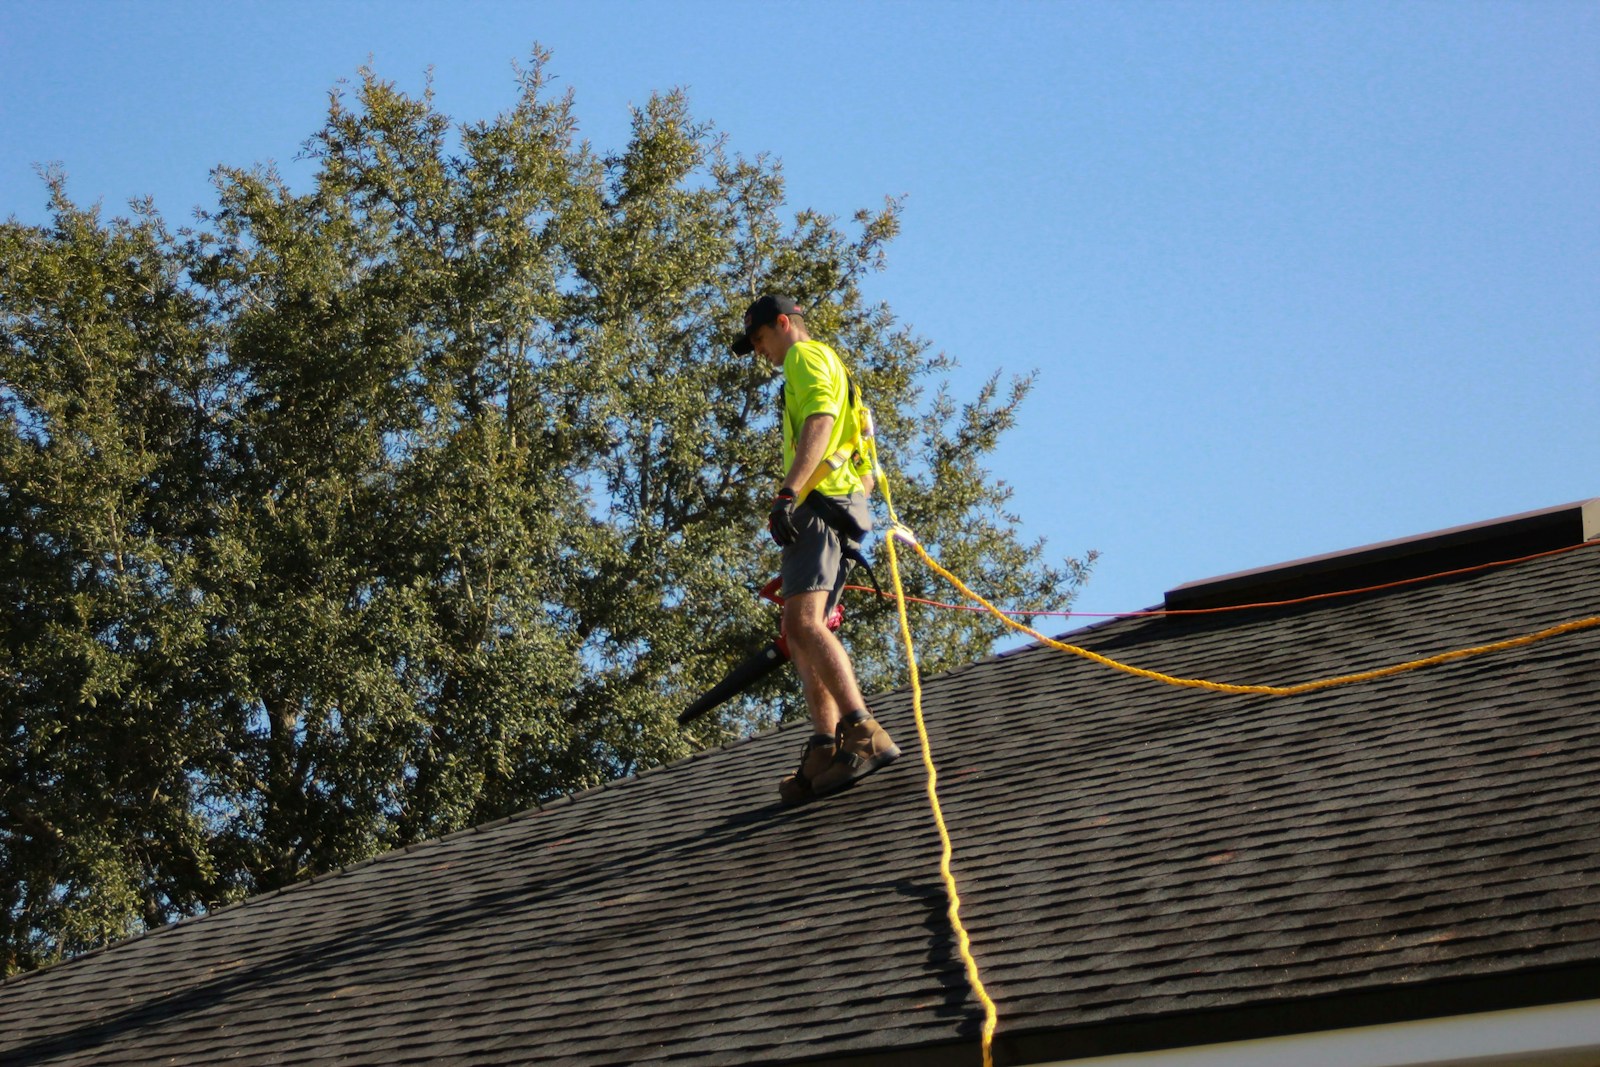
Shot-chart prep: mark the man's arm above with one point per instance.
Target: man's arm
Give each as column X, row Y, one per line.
column 809, row 451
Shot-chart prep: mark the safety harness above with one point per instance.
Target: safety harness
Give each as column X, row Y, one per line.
column 860, row 451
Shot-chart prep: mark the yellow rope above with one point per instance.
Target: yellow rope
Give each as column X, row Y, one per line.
column 1223, row 687
column 900, row 532
column 963, row 942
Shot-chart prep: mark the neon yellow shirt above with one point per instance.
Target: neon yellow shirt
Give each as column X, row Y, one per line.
column 815, row 383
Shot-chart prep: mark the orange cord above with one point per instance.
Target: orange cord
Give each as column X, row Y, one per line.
column 1234, row 607
column 1226, row 687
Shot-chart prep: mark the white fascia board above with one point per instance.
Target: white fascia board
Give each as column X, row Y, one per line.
column 1556, row 1035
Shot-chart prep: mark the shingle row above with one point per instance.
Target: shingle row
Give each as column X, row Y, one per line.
column 1125, row 849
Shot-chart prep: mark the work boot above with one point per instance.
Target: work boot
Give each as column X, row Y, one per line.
column 864, row 746
column 818, row 755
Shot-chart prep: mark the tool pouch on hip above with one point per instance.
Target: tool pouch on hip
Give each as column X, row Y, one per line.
column 852, row 523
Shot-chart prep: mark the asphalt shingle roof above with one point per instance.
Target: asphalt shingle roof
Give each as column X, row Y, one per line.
column 1129, row 853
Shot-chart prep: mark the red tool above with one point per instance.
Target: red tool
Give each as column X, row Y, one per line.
column 758, row 665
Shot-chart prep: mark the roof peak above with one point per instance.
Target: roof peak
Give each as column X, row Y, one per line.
column 1527, row 533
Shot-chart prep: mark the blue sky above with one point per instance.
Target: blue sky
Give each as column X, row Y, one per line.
column 1296, row 277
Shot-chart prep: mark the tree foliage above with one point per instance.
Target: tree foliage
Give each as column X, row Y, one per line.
column 357, row 515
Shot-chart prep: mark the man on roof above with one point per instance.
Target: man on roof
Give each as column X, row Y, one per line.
column 818, row 516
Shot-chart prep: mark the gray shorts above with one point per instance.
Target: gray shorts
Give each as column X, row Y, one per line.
column 815, row 560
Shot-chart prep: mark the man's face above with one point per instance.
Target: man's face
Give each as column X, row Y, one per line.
column 770, row 342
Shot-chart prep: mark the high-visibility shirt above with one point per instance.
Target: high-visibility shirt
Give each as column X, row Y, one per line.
column 815, row 383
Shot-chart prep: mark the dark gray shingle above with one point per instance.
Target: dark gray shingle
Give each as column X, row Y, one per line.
column 1129, row 854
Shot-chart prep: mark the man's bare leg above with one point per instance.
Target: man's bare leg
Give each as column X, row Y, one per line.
column 837, row 709
column 821, row 660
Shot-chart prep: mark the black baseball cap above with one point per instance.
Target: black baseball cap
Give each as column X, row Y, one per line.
column 763, row 311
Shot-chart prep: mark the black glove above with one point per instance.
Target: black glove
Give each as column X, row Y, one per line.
column 780, row 520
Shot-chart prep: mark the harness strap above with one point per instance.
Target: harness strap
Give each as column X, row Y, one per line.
column 850, row 534
column 854, row 451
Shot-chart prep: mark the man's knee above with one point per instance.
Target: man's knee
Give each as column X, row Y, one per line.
column 803, row 617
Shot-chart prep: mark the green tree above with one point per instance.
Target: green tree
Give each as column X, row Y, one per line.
column 357, row 515
column 103, row 525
